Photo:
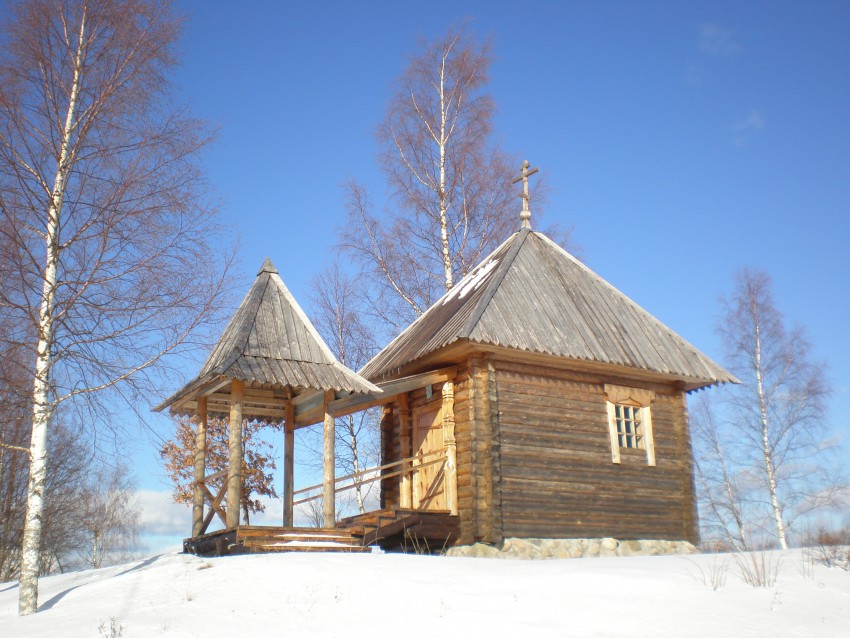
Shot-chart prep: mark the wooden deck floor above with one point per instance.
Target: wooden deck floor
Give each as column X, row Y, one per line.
column 391, row 529
column 257, row 539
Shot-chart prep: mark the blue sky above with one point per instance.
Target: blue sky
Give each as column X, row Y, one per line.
column 681, row 141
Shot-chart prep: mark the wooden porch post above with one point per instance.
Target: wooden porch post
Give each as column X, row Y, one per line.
column 451, row 445
column 405, row 482
column 234, row 469
column 200, row 467
column 329, row 460
column 288, row 459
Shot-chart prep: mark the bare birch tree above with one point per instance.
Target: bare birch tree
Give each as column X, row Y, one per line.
column 770, row 459
column 89, row 519
column 100, row 195
column 15, row 413
column 719, row 474
column 110, row 518
column 450, row 187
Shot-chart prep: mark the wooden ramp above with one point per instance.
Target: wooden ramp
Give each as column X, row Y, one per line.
column 256, row 539
column 397, row 529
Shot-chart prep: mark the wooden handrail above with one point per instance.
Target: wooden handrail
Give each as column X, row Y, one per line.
column 413, row 463
column 411, row 460
column 374, row 469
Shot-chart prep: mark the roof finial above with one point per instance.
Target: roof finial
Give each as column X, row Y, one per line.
column 267, row 266
column 525, row 215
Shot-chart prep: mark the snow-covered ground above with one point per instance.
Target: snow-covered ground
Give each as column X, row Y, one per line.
column 406, row 595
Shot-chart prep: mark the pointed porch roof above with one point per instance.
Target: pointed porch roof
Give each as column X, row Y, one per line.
column 531, row 295
column 271, row 344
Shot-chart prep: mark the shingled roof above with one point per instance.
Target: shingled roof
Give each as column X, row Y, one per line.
column 271, row 343
column 532, row 295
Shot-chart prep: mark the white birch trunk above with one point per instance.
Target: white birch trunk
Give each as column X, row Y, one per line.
column 42, row 406
column 444, row 224
column 329, row 463
column 767, row 449
column 355, row 459
column 95, row 551
column 736, row 510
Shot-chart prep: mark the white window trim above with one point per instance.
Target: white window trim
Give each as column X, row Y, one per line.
column 621, row 394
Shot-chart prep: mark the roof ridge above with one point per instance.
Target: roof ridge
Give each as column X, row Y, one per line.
column 240, row 344
column 314, row 333
column 703, row 358
column 494, row 283
column 443, row 299
column 305, row 320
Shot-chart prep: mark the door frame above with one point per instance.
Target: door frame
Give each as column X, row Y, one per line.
column 432, row 406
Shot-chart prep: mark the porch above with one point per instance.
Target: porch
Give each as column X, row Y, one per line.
column 424, row 520
column 395, row 529
column 422, row 529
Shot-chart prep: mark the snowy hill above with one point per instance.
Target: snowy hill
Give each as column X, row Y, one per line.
column 406, row 595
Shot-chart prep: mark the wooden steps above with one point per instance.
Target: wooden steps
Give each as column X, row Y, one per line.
column 397, row 529
column 363, row 524
column 255, row 539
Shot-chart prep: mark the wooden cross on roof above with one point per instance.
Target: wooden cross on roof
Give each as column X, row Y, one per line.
column 525, row 214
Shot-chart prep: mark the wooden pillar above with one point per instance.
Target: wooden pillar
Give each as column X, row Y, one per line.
column 234, row 469
column 405, row 480
column 329, row 461
column 478, row 466
column 200, row 467
column 288, row 464
column 451, row 445
column 690, row 512
column 493, row 432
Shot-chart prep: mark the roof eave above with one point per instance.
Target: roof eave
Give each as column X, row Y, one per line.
column 195, row 388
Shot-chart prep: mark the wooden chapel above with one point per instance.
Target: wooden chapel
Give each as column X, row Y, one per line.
column 533, row 400
column 568, row 414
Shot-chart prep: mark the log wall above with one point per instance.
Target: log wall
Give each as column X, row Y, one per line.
column 557, row 477
column 534, row 457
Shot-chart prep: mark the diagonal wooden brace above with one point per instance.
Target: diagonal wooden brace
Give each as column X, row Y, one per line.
column 215, row 505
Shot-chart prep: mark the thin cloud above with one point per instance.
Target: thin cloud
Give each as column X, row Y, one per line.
column 753, row 122
column 717, row 41
column 161, row 516
column 743, row 130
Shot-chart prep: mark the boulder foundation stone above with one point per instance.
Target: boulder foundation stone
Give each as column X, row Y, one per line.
column 545, row 548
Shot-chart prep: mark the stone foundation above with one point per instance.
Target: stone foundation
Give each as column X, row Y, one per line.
column 541, row 548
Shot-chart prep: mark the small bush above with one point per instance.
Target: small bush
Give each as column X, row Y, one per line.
column 111, row 630
column 831, row 549
column 758, row 569
column 712, row 575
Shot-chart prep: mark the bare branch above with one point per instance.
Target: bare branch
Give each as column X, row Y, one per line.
column 114, row 259
column 450, row 187
column 774, row 423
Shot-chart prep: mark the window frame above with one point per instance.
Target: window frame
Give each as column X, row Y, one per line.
column 631, row 397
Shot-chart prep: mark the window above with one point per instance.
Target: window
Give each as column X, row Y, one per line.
column 630, row 421
column 629, row 430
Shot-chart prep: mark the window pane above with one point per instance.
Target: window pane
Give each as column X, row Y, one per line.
column 628, row 421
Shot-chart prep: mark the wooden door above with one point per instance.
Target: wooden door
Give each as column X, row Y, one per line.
column 429, row 485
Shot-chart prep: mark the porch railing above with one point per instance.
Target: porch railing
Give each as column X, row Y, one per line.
column 363, row 477
column 370, row 475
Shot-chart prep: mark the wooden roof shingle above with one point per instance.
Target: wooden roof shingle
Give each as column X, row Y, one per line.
column 270, row 342
column 532, row 295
